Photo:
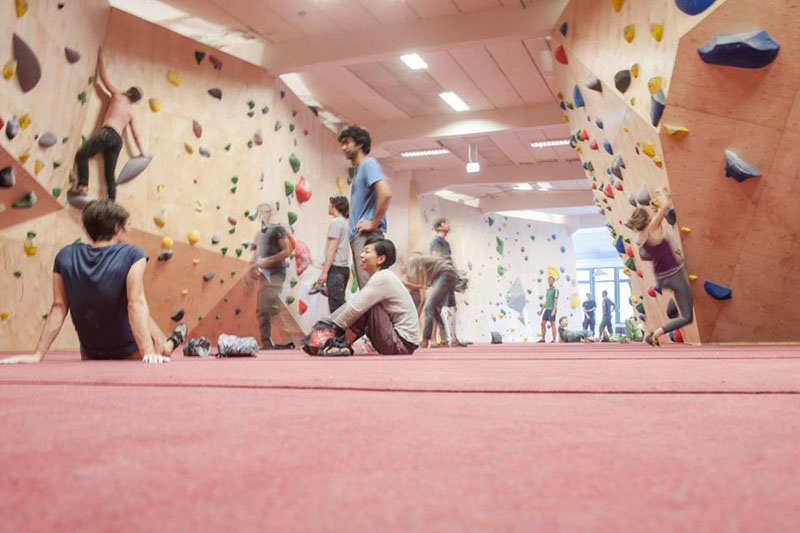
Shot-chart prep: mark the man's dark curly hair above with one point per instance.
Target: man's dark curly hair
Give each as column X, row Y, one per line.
column 359, row 136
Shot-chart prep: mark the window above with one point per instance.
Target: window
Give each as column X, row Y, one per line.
column 612, row 279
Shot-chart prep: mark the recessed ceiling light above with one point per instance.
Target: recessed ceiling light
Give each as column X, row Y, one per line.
column 523, row 187
column 454, row 101
column 414, row 62
column 545, row 144
column 423, row 153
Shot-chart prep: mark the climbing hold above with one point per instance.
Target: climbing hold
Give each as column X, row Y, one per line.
column 629, row 32
column 160, row 219
column 295, row 163
column 302, row 190
column 718, row 292
column 561, row 55
column 24, row 121
column 216, row 93
column 188, row 147
column 635, row 70
column 608, row 190
column 174, row 77
column 620, row 245
column 648, row 149
column 184, row 292
column 197, row 129
column 232, row 220
column 657, row 31
column 754, row 49
column 24, row 156
column 584, row 135
column 629, row 251
column 490, row 221
column 215, row 62
column 9, row 69
column 500, row 245
column 27, row 201
column 21, row 7
column 289, row 300
column 29, row 71
column 563, row 28
column 56, row 192
column 302, row 307
column 292, row 217
column 500, row 270
column 563, row 249
column 291, row 127
column 657, row 161
column 233, row 189
column 177, row 316
column 630, row 263
column 593, row 83
column 28, row 246
column 204, row 151
column 686, row 229
column 577, row 96
column 73, row 56
column 193, row 236
column 622, row 80
column 133, row 167
column 37, row 167
column 738, row 169
column 7, row 177
column 617, row 164
column 4, row 315
column 593, row 145
column 258, row 138
column 657, row 104
column 165, row 255
column 599, row 123
column 693, row 7
column 12, row 127
column 607, row 146
column 199, row 55
column 643, row 196
column 676, row 336
column 676, row 132
column 692, row 277
column 617, row 5
column 278, row 125
column 208, row 276
column 651, row 292
column 655, row 84
column 166, row 243
column 47, row 140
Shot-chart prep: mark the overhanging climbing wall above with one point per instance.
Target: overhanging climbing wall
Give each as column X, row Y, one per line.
column 619, row 66
column 225, row 136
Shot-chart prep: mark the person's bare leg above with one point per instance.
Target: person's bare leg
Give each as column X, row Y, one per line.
column 553, row 329
column 544, row 331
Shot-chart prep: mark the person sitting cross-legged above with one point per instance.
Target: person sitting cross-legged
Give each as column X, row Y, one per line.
column 102, row 285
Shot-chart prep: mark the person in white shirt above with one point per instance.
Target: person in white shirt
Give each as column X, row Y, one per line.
column 336, row 269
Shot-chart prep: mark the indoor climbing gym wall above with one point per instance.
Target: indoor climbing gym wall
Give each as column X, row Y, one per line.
column 223, row 135
column 692, row 98
column 516, row 256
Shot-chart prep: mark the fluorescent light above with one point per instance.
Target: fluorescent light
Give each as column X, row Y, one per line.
column 414, row 62
column 424, row 153
column 464, row 199
column 454, row 101
column 545, row 185
column 546, row 144
column 523, row 187
column 473, row 167
column 538, row 216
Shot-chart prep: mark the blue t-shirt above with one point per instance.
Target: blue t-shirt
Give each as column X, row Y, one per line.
column 607, row 305
column 95, row 283
column 363, row 196
column 590, row 304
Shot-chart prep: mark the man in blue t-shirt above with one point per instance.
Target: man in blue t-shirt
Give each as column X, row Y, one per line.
column 369, row 195
column 589, row 308
column 102, row 285
column 607, row 323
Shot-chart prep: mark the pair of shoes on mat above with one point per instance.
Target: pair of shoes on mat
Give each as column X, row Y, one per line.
column 651, row 340
column 336, row 347
column 197, row 347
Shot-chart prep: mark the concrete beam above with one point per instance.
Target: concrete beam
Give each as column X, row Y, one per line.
column 535, row 200
column 435, row 180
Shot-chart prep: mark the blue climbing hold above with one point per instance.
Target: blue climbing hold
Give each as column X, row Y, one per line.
column 620, row 245
column 754, row 49
column 657, row 288
column 562, row 269
column 657, row 104
column 717, row 291
column 607, row 146
column 578, row 97
column 599, row 123
column 563, row 249
column 554, row 236
column 738, row 169
column 671, row 216
column 563, row 106
column 563, row 29
column 693, row 7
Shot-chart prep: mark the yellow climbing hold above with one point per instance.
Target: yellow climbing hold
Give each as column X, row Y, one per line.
column 166, row 243
column 37, row 167
column 648, row 149
column 629, row 32
column 24, row 121
column 184, row 292
column 635, row 70
column 29, row 247
column 657, row 31
column 692, row 277
column 654, row 84
column 21, row 6
column 198, row 206
column 24, row 156
column 657, row 162
column 625, row 129
column 155, row 105
column 634, row 299
column 626, row 271
column 553, row 271
column 196, row 261
column 678, row 251
column 340, row 186
column 633, row 101
column 174, row 78
column 193, row 236
column 686, row 229
column 4, row 315
column 574, row 301
column 188, row 147
column 617, row 5
column 161, row 219
column 9, row 69
column 676, row 132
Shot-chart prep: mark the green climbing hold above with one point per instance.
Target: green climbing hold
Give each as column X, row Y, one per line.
column 251, row 104
column 288, row 187
column 91, row 80
column 295, row 163
column 500, row 270
column 232, row 230
column 630, row 263
column 250, row 143
column 235, row 180
column 27, row 201
column 289, row 300
column 500, row 246
column 490, row 221
column 224, row 250
column 291, row 127
column 293, row 282
column 82, row 97
column 56, row 163
column 292, row 217
column 228, row 147
column 640, row 307
column 233, row 189
column 56, row 192
column 238, row 252
column 17, row 273
column 250, row 114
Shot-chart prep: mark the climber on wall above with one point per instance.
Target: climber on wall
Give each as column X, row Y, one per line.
column 668, row 268
column 108, row 140
column 102, row 285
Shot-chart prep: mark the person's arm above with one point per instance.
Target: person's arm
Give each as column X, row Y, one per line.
column 555, row 304
column 266, row 262
column 330, row 255
column 139, row 314
column 102, row 69
column 370, row 295
column 136, row 137
column 378, row 183
column 55, row 320
column 655, row 223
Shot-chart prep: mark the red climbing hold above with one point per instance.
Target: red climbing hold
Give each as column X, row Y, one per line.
column 302, row 190
column 561, row 55
column 629, row 251
column 303, row 307
column 609, row 190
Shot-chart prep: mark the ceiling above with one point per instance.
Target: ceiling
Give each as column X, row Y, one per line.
column 343, row 57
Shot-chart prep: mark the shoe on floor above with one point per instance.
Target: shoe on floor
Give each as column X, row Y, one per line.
column 336, row 347
column 178, row 334
column 197, row 347
column 652, row 341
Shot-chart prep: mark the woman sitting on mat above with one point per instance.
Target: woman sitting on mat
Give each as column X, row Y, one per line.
column 668, row 268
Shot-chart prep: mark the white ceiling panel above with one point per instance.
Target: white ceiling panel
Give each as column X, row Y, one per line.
column 446, row 70
column 483, row 70
column 515, row 62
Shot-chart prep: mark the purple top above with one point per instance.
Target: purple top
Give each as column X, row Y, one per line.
column 664, row 260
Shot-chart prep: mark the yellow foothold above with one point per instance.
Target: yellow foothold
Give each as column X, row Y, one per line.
column 9, row 69
column 21, row 6
column 676, row 132
column 174, row 78
column 340, row 185
column 629, row 32
column 24, row 156
column 654, row 84
column 635, row 70
column 184, row 292
column 161, row 219
column 657, row 161
column 625, row 129
column 4, row 315
column 29, row 247
column 657, row 31
column 633, row 101
column 553, row 271
column 37, row 167
column 634, row 299
column 159, row 188
column 155, row 105
column 692, row 277
column 188, row 147
column 626, row 271
column 574, row 301
column 193, row 236
column 616, row 5
column 24, row 121
column 196, row 261
column 565, row 118
column 686, row 229
column 648, row 149
column 166, row 243
column 678, row 251
column 198, row 206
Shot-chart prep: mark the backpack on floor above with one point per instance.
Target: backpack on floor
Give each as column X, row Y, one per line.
column 318, row 337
